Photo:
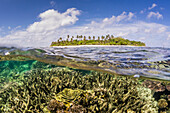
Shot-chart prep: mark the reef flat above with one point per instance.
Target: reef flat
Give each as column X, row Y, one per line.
column 65, row 90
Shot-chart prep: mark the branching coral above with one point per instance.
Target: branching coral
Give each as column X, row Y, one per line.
column 58, row 90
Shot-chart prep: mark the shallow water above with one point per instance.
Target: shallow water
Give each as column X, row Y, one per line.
column 148, row 62
column 31, row 78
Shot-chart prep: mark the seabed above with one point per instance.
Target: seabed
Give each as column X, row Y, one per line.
column 32, row 86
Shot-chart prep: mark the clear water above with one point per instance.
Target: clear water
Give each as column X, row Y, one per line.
column 30, row 75
column 145, row 62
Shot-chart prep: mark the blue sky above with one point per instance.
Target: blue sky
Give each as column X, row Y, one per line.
column 39, row 22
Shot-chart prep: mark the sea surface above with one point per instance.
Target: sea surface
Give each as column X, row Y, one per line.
column 144, row 62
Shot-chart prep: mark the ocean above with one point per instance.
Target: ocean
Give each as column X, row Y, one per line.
column 85, row 79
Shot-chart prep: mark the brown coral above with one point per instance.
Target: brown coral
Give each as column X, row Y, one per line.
column 154, row 85
column 168, row 87
column 55, row 105
column 162, row 103
column 168, row 97
column 59, row 107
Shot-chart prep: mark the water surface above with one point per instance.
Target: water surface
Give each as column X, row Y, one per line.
column 148, row 62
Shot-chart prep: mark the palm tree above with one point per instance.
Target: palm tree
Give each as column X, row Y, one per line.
column 72, row 39
column 89, row 37
column 81, row 36
column 103, row 37
column 112, row 37
column 67, row 40
column 68, row 36
column 98, row 38
column 60, row 38
column 93, row 37
column 58, row 41
column 107, row 37
column 84, row 38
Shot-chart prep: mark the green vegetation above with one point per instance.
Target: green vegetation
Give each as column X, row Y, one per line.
column 103, row 40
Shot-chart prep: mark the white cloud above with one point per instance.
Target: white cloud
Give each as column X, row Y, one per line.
column 1, row 29
column 142, row 11
column 153, row 5
column 122, row 34
column 147, row 30
column 52, row 19
column 142, row 38
column 168, row 36
column 53, row 25
column 39, row 33
column 52, row 3
column 153, row 14
column 123, row 17
column 14, row 29
column 9, row 27
column 130, row 15
column 161, row 29
column 133, row 31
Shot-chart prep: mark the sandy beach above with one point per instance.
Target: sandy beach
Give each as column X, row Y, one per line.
column 96, row 46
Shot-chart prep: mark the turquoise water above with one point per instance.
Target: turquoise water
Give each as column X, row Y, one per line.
column 48, row 72
column 141, row 61
column 10, row 70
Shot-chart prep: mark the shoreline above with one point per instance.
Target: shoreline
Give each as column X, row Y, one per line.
column 96, row 46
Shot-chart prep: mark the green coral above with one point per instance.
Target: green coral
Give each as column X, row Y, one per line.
column 147, row 98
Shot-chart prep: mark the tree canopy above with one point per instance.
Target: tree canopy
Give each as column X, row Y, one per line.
column 103, row 40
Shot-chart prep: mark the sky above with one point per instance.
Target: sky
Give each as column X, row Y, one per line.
column 36, row 23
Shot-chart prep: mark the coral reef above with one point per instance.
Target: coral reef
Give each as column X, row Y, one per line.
column 62, row 90
column 161, row 93
column 146, row 96
column 168, row 87
column 154, row 85
column 162, row 103
column 60, row 107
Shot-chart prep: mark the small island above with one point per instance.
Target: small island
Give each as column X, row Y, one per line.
column 100, row 40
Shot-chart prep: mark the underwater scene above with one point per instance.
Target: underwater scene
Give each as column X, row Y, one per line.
column 108, row 79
